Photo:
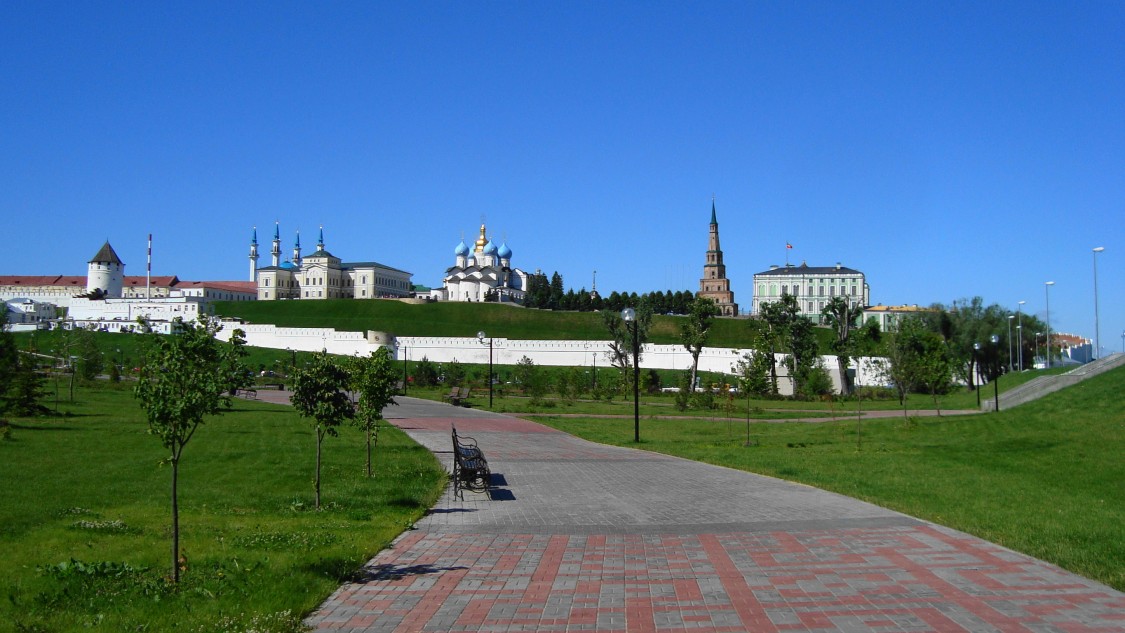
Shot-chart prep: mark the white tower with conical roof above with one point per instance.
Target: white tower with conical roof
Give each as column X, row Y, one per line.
column 105, row 273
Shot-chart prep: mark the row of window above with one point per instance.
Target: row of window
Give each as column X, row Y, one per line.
column 796, row 291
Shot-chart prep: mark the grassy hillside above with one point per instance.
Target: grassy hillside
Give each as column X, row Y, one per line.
column 466, row 319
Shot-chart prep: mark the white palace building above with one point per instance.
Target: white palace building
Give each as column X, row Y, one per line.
column 812, row 286
column 322, row 275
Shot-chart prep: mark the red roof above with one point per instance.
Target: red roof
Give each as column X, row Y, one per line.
column 42, row 280
column 80, row 282
column 229, row 286
column 165, row 281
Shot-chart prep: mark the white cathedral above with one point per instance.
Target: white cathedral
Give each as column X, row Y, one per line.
column 484, row 273
column 322, row 275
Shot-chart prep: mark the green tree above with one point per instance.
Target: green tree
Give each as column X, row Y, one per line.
column 842, row 317
column 776, row 315
column 9, row 361
column 695, row 330
column 454, row 373
column 90, row 361
column 531, row 379
column 752, row 371
column 317, row 394
column 185, row 379
column 373, row 378
column 26, row 388
column 425, row 373
column 803, row 354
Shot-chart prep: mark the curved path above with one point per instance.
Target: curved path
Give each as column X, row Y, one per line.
column 580, row 536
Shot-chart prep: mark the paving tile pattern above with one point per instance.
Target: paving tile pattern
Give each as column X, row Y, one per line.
column 583, row 537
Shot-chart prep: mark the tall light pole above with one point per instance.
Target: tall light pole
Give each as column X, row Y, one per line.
column 1009, row 341
column 1097, row 325
column 976, row 370
column 996, row 380
column 481, row 336
column 405, row 368
column 1019, row 316
column 1047, row 291
column 629, row 315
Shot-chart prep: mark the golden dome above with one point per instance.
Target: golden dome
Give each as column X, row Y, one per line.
column 481, row 241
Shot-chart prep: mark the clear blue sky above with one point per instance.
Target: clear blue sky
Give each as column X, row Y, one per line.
column 946, row 149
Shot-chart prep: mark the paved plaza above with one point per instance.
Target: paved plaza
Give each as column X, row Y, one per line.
column 579, row 536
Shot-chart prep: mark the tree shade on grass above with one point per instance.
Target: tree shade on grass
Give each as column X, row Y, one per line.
column 85, row 489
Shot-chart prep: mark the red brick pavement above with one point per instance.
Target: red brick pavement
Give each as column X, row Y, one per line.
column 795, row 559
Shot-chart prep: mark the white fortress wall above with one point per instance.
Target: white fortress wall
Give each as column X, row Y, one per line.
column 509, row 351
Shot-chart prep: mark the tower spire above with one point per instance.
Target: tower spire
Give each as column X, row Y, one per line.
column 715, row 285
column 254, row 255
column 275, row 250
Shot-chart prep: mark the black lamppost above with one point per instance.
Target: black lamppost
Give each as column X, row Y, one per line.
column 976, row 368
column 629, row 315
column 405, row 370
column 481, row 336
column 996, row 380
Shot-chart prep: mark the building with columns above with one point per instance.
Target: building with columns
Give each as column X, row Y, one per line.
column 714, row 285
column 812, row 286
column 484, row 273
column 322, row 275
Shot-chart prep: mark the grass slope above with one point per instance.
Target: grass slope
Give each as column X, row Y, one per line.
column 1046, row 478
column 466, row 319
column 90, row 488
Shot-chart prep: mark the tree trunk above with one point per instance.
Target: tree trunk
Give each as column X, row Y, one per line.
column 316, row 480
column 694, row 369
column 369, row 452
column 175, row 521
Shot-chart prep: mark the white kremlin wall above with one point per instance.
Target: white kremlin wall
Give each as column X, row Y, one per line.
column 510, row 351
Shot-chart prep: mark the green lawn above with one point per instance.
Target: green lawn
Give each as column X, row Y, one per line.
column 89, row 487
column 446, row 318
column 1046, row 478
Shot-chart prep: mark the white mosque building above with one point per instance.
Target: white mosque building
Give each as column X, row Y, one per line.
column 322, row 275
column 484, row 273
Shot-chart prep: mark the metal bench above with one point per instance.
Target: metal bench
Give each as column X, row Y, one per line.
column 470, row 468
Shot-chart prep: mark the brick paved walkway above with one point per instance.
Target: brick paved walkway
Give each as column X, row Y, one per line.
column 584, row 537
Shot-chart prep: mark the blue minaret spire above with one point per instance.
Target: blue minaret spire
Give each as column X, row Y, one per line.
column 275, row 250
column 320, row 241
column 254, row 255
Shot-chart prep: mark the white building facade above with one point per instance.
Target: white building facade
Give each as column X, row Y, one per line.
column 322, row 275
column 812, row 286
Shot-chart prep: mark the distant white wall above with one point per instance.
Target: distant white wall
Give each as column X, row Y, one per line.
column 510, row 351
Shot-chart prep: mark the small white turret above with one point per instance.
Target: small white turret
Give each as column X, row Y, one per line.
column 105, row 273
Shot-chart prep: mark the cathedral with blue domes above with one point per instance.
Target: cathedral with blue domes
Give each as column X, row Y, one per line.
column 484, row 273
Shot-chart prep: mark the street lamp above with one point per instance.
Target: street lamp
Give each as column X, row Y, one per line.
column 996, row 380
column 480, row 337
column 629, row 315
column 1097, row 325
column 1019, row 315
column 405, row 369
column 1009, row 341
column 976, row 369
column 1047, row 291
